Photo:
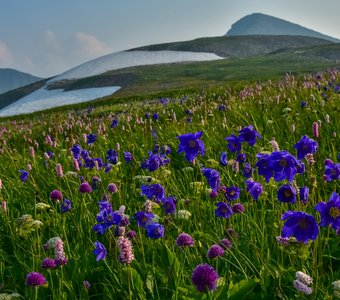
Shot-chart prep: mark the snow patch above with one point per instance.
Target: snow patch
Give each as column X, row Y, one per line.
column 42, row 99
column 127, row 59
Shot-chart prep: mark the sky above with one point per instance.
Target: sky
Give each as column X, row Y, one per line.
column 48, row 37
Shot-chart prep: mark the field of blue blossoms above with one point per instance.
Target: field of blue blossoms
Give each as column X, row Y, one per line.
column 231, row 193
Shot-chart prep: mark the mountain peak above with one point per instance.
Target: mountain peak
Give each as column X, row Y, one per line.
column 262, row 24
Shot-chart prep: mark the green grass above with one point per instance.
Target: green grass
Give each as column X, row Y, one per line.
column 256, row 267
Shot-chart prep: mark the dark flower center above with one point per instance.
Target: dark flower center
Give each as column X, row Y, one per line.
column 192, row 144
column 303, row 223
column 334, row 212
column 283, row 162
column 224, row 209
column 287, row 193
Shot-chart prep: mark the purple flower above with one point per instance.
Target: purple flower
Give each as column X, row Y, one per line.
column 254, row 188
column 234, row 143
column 305, row 146
column 155, row 116
column 100, row 251
column 204, row 277
column 304, row 194
column 191, row 144
column 131, row 234
column 142, row 218
column 223, row 210
column 238, row 208
column 215, row 251
column 185, row 239
column 249, row 134
column 35, row 279
column 23, row 175
column 332, row 171
column 66, row 206
column 330, row 211
column 225, row 244
column 154, row 230
column 300, row 225
column 232, row 193
column 223, row 159
column 95, row 182
column 91, row 138
column 112, row 188
column 153, row 191
column 85, row 187
column 287, row 193
column 56, row 195
column 213, row 178
column 48, row 263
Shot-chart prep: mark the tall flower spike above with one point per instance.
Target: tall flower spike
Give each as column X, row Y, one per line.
column 125, row 250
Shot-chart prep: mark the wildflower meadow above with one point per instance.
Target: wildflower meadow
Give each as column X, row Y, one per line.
column 228, row 193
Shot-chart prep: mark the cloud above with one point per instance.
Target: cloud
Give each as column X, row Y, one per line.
column 6, row 58
column 52, row 41
column 91, row 46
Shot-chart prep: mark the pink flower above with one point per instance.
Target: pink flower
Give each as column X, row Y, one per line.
column 125, row 249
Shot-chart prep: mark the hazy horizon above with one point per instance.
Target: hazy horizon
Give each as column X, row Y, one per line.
column 46, row 39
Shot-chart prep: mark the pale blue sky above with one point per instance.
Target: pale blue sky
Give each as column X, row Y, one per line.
column 47, row 37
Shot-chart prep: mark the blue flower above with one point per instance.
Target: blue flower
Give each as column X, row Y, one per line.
column 330, row 211
column 114, row 123
column 142, row 218
column 247, row 170
column 112, row 156
column 213, row 178
column 232, row 193
column 332, row 171
column 153, row 191
column 169, row 205
column 223, row 159
column 234, row 143
column 304, row 194
column 249, row 134
column 91, row 138
column 263, row 166
column 191, row 144
column 254, row 188
column 305, row 146
column 223, row 210
column 154, row 230
column 23, row 175
column 287, row 193
column 100, row 251
column 284, row 165
column 66, row 206
column 128, row 157
column 300, row 225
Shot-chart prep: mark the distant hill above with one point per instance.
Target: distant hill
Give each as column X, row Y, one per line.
column 238, row 46
column 11, row 79
column 261, row 24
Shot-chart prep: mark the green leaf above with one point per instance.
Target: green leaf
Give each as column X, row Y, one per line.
column 173, row 261
column 241, row 289
column 134, row 277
